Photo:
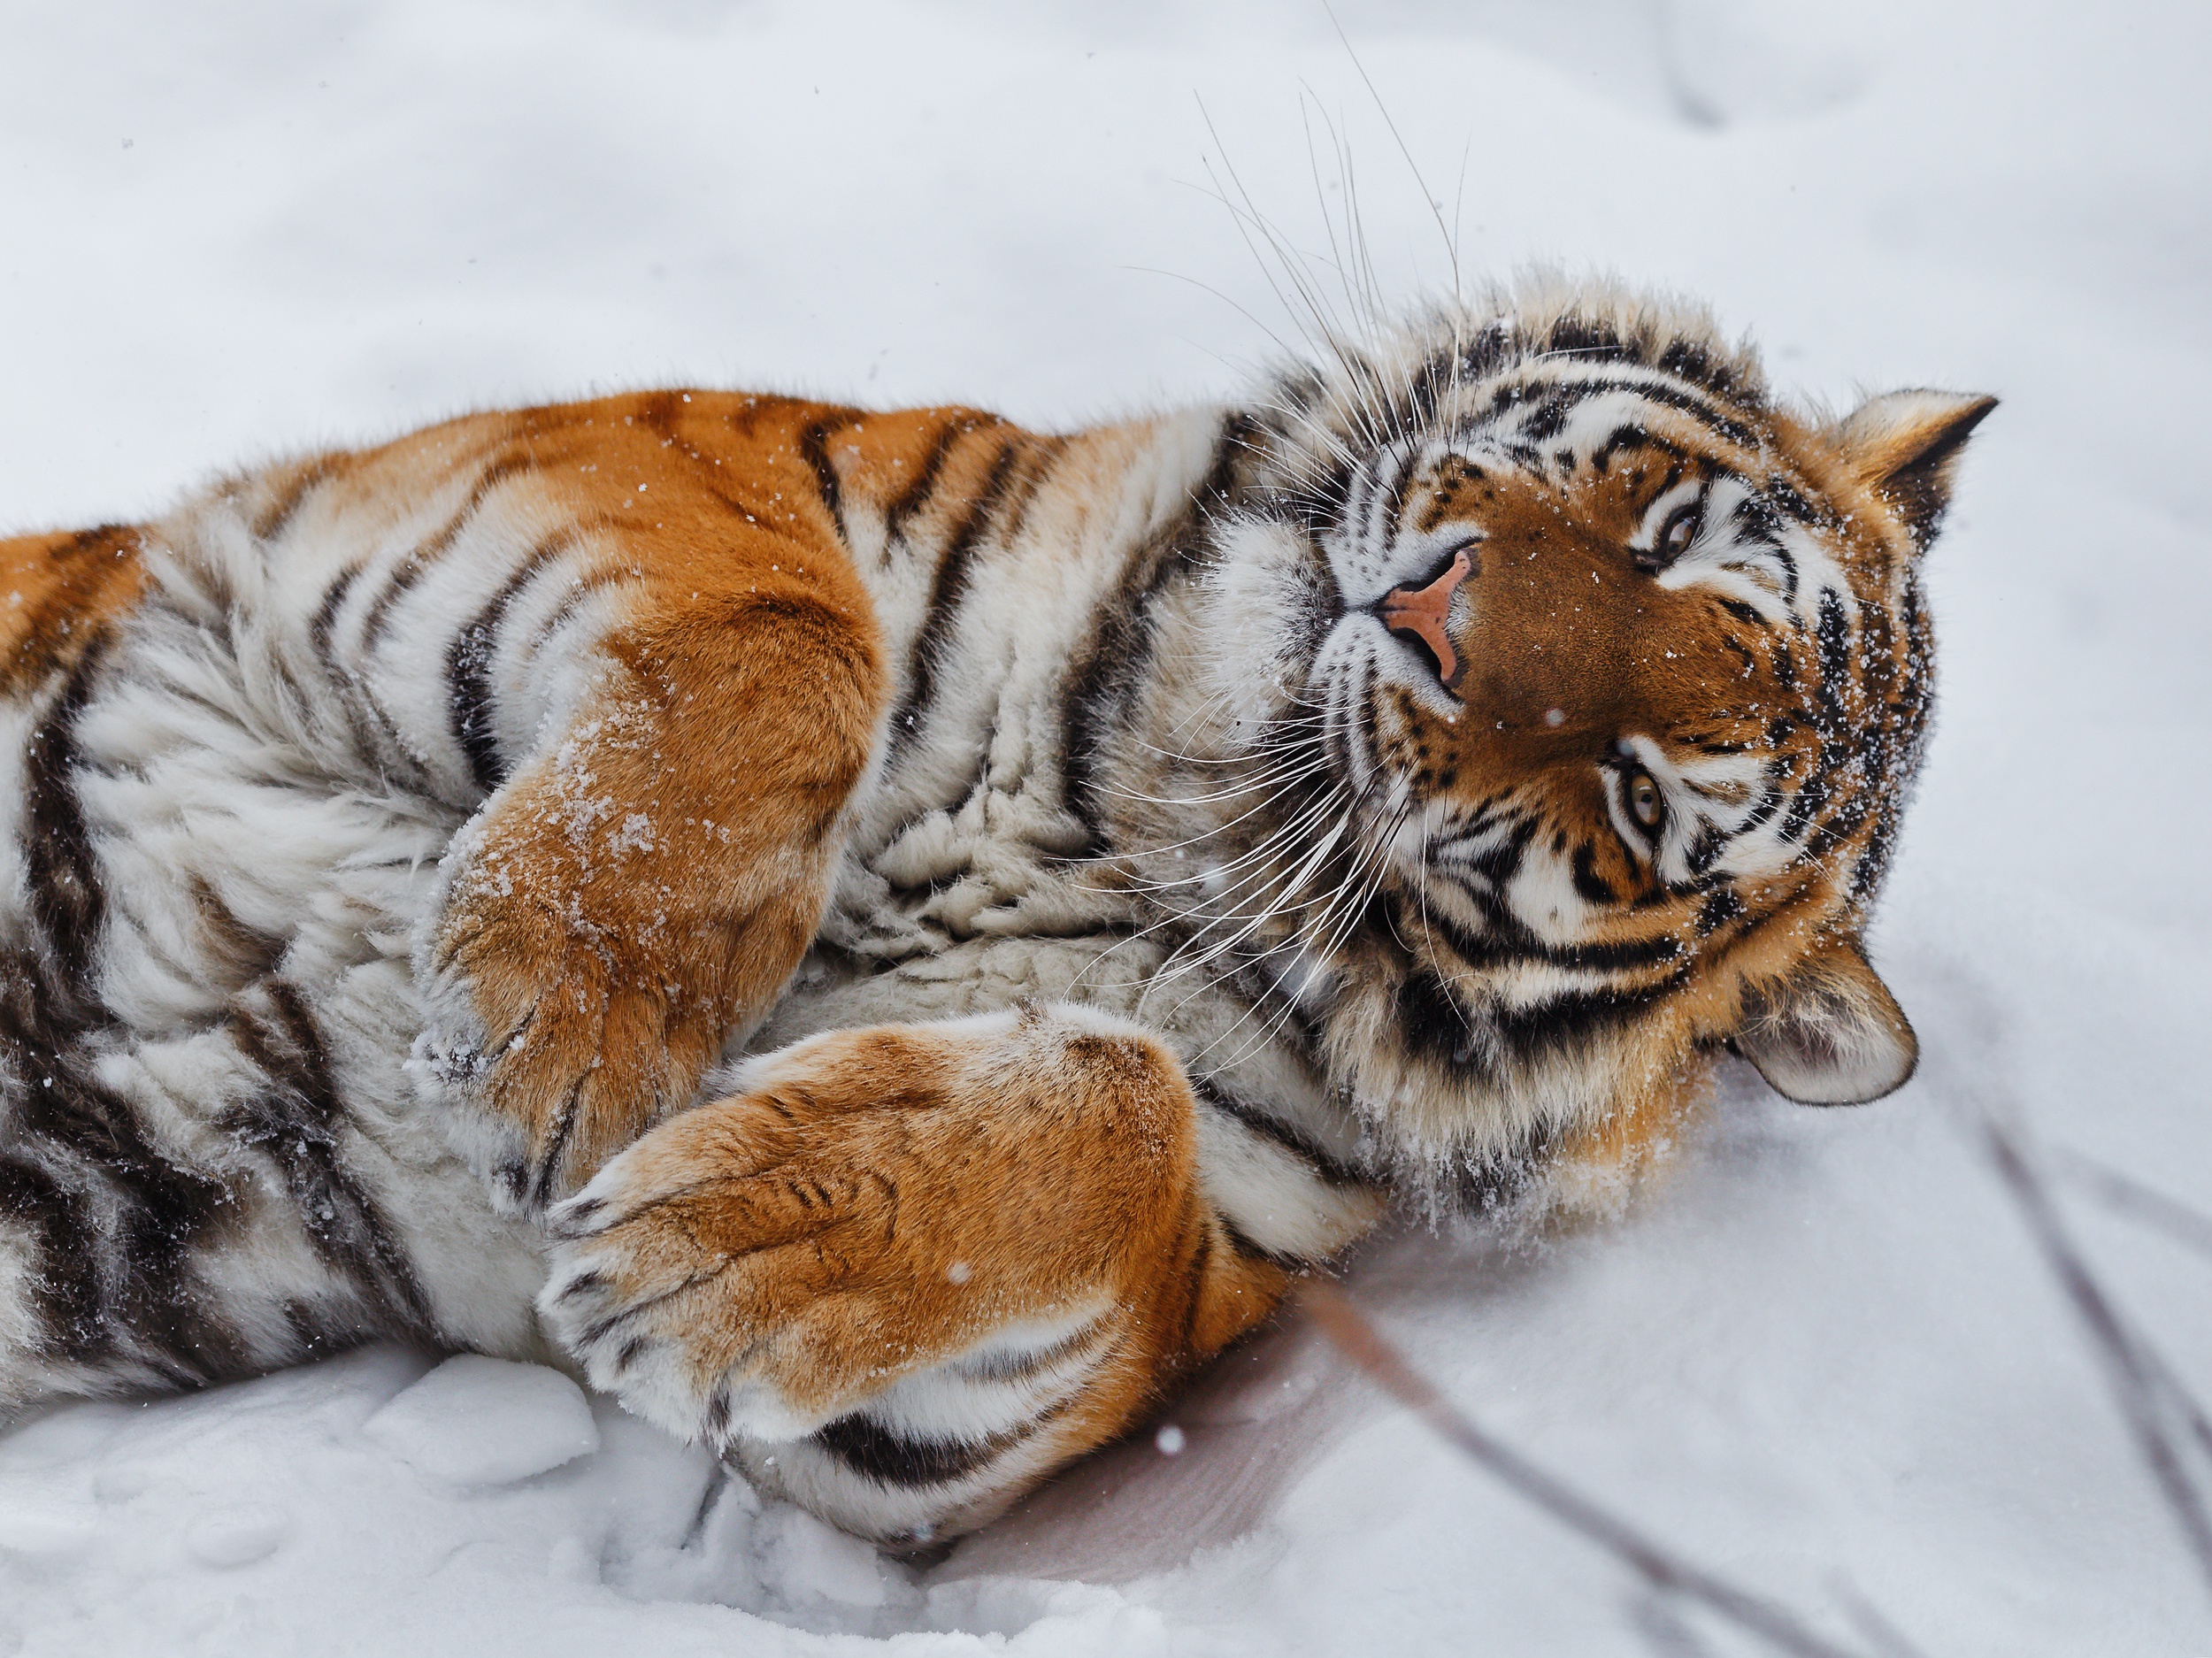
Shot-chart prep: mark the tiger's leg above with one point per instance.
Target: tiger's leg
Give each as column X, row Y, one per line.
column 644, row 885
column 904, row 1273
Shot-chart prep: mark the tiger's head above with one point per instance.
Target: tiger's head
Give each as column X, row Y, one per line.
column 1559, row 693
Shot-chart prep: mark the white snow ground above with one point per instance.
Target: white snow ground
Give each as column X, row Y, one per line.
column 1824, row 1357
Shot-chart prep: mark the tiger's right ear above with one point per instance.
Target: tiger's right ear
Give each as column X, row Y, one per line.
column 1905, row 444
column 1829, row 1033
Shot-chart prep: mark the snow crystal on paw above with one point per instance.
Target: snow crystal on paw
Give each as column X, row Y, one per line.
column 486, row 1422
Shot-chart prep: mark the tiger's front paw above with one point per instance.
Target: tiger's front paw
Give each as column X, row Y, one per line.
column 972, row 1221
column 549, row 1040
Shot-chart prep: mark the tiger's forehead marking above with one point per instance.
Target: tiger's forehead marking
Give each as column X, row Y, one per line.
column 1611, row 442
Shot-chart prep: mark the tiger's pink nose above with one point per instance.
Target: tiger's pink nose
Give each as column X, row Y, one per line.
column 1423, row 614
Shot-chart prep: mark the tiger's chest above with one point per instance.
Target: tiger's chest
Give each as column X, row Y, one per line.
column 973, row 880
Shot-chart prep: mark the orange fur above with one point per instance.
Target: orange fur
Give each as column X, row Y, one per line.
column 735, row 716
column 877, row 1201
column 57, row 591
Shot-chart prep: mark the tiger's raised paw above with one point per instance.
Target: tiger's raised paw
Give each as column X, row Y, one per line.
column 903, row 1272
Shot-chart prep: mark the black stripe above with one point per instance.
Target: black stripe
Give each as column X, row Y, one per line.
column 1424, row 395
column 1511, row 944
column 1577, row 335
column 814, row 449
column 371, row 730
column 325, row 618
column 539, row 1190
column 1195, row 1286
column 580, row 590
column 416, row 564
column 62, row 872
column 1782, row 556
column 1326, row 1167
column 1042, row 458
column 923, row 484
column 890, row 1458
column 1021, row 1367
column 1218, row 489
column 947, row 590
column 1487, row 353
column 299, row 1121
column 1832, row 632
column 1401, row 480
column 64, row 1296
column 1593, row 886
column 1492, row 1040
column 118, row 1223
column 1296, row 1025
column 1501, row 860
column 1719, row 908
column 468, row 666
column 276, row 518
column 1242, row 1243
column 1634, row 436
column 1112, row 668
column 1555, row 399
column 1686, row 360
column 1113, row 663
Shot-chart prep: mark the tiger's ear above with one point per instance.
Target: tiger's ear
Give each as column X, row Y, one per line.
column 1830, row 1034
column 1905, row 444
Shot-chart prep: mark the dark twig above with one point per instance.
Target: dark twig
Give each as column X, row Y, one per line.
column 2139, row 1378
column 2126, row 1195
column 1664, row 1630
column 1666, row 1573
column 2178, row 1399
column 1888, row 1640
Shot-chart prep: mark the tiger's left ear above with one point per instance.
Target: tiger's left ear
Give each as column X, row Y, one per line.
column 1907, row 444
column 1830, row 1034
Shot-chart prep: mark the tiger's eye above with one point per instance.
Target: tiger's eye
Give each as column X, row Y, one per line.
column 1682, row 528
column 1645, row 803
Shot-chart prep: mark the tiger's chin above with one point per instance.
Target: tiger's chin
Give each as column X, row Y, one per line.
column 1566, row 1119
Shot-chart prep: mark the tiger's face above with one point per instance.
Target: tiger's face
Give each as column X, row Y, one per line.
column 1604, row 679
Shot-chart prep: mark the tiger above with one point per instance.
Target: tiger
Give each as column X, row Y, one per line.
column 886, row 940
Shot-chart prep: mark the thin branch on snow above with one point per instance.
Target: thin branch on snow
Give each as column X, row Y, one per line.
column 2126, row 1195
column 2178, row 1399
column 2142, row 1383
column 1886, row 1638
column 1662, row 1629
column 1666, row 1573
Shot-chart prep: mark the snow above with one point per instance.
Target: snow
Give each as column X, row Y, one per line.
column 476, row 1421
column 1822, row 1357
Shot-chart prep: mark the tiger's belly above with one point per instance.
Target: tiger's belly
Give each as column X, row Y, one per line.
column 211, row 1160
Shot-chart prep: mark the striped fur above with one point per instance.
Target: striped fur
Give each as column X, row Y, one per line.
column 890, row 938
